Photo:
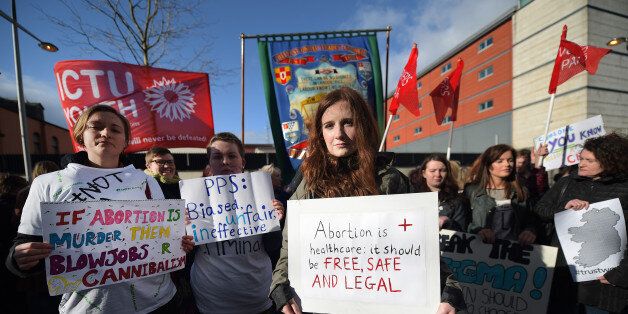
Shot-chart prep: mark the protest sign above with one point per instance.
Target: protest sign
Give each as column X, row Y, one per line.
column 369, row 254
column 504, row 277
column 564, row 144
column 593, row 240
column 101, row 243
column 229, row 206
column 164, row 107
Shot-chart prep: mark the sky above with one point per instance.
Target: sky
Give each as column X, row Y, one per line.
column 435, row 25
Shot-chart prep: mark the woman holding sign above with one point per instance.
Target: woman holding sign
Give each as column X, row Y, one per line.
column 233, row 276
column 95, row 174
column 602, row 175
column 435, row 175
column 342, row 161
column 499, row 202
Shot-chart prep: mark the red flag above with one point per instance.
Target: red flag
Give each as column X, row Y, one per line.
column 165, row 108
column 445, row 95
column 406, row 93
column 573, row 59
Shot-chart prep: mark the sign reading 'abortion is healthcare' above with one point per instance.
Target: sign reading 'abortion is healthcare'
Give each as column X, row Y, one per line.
column 229, row 206
column 369, row 254
column 164, row 107
column 101, row 243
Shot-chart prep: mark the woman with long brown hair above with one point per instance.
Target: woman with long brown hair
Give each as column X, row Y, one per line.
column 342, row 161
column 499, row 203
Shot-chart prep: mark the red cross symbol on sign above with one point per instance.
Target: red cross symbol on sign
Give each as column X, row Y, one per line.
column 405, row 225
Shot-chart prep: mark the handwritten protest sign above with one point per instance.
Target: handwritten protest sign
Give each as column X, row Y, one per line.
column 106, row 242
column 564, row 144
column 229, row 206
column 504, row 277
column 370, row 254
column 593, row 240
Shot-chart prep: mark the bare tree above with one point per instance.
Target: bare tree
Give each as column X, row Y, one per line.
column 144, row 32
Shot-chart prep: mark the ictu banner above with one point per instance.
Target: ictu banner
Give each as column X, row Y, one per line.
column 165, row 108
column 297, row 74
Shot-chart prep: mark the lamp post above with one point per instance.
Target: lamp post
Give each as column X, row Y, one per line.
column 21, row 105
column 618, row 40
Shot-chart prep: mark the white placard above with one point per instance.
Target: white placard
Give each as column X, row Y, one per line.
column 504, row 277
column 370, row 254
column 107, row 242
column 229, row 206
column 564, row 144
column 593, row 240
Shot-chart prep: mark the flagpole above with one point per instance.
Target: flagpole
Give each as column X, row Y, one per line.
column 451, row 133
column 381, row 145
column 547, row 123
column 242, row 37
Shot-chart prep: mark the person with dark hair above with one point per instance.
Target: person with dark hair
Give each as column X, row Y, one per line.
column 103, row 133
column 9, row 187
column 533, row 176
column 160, row 165
column 602, row 175
column 435, row 175
column 34, row 289
column 342, row 161
column 226, row 278
column 499, row 202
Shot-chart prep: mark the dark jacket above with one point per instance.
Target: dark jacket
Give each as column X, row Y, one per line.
column 483, row 206
column 390, row 181
column 613, row 297
column 457, row 210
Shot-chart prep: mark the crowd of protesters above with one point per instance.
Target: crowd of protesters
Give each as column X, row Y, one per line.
column 504, row 194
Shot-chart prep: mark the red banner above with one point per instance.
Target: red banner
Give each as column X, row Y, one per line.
column 406, row 93
column 573, row 59
column 165, row 108
column 445, row 95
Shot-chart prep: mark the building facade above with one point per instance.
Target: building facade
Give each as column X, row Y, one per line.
column 508, row 64
column 44, row 138
column 485, row 101
column 537, row 27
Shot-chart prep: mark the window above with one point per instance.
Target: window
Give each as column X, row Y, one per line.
column 419, row 85
column 485, row 105
column 418, row 130
column 37, row 143
column 395, row 117
column 446, row 120
column 486, row 72
column 397, row 138
column 485, row 44
column 55, row 145
column 445, row 68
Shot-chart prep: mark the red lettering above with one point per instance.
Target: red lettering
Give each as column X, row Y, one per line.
column 76, row 217
column 86, row 278
column 61, row 216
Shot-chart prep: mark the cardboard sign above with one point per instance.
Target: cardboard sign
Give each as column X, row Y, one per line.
column 565, row 144
column 370, row 254
column 593, row 240
column 107, row 242
column 229, row 206
column 504, row 277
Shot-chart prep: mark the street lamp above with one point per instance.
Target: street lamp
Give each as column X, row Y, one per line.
column 618, row 40
column 21, row 105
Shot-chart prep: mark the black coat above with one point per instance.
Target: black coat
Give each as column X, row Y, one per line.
column 613, row 297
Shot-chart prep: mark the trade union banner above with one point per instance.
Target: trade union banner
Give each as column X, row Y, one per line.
column 165, row 108
column 297, row 74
